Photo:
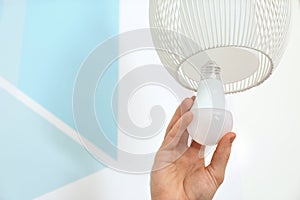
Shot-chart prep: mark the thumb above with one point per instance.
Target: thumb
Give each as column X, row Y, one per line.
column 221, row 156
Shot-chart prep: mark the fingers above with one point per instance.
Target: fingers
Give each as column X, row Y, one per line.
column 195, row 153
column 174, row 136
column 221, row 156
column 198, row 148
column 183, row 142
column 195, row 145
column 184, row 107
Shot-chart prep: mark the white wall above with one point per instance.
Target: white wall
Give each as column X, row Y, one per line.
column 265, row 161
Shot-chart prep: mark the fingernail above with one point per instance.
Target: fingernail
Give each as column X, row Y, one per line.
column 232, row 138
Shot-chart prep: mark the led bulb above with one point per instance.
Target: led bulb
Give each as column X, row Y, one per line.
column 211, row 120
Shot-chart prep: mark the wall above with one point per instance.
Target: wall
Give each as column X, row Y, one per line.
column 264, row 162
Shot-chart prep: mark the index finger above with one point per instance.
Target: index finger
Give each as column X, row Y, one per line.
column 184, row 107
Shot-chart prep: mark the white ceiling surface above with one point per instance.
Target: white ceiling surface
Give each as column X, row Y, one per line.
column 265, row 160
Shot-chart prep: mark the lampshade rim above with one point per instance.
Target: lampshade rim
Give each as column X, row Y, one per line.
column 272, row 67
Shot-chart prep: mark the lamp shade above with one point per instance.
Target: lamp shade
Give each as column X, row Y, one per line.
column 246, row 38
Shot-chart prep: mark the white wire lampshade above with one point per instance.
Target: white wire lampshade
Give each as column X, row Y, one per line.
column 246, row 38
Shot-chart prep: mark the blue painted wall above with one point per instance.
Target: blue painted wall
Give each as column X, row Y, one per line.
column 57, row 37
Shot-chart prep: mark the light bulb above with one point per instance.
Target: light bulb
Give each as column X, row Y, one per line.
column 211, row 120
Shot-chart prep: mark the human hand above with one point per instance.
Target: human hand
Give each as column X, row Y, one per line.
column 179, row 171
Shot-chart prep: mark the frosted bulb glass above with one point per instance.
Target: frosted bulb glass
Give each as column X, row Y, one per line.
column 211, row 120
column 209, row 125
